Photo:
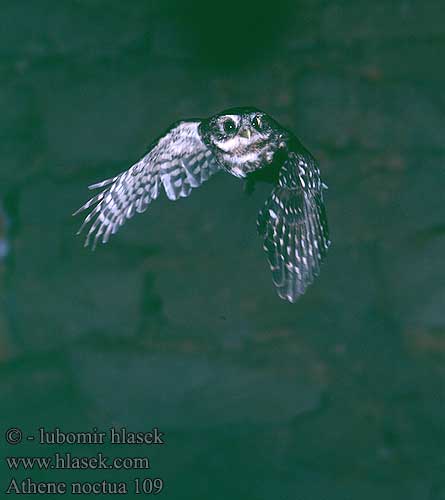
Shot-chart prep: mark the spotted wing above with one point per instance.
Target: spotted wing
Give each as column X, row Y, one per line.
column 179, row 161
column 294, row 225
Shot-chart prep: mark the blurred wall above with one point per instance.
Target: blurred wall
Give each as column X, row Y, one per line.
column 342, row 392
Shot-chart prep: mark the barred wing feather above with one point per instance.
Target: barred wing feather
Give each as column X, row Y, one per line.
column 179, row 161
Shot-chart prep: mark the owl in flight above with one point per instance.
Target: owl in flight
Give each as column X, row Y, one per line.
column 246, row 143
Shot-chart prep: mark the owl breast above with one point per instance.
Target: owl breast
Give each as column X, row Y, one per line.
column 239, row 156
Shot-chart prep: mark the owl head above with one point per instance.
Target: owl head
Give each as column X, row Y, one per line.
column 242, row 139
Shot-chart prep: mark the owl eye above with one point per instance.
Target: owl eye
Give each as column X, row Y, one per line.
column 257, row 123
column 229, row 125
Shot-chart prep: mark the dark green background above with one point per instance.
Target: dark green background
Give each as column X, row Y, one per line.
column 176, row 323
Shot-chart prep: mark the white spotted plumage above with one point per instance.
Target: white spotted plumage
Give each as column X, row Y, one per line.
column 293, row 220
column 293, row 223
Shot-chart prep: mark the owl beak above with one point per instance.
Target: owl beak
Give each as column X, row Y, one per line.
column 246, row 133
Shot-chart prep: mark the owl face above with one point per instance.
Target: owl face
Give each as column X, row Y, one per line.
column 243, row 140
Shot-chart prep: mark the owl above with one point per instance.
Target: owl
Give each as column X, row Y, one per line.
column 246, row 143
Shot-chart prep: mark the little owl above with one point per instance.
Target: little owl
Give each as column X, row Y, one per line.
column 246, row 143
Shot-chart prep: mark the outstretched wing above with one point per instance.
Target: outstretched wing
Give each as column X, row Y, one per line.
column 179, row 161
column 294, row 225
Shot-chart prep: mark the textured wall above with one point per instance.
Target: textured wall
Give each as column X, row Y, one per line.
column 176, row 323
